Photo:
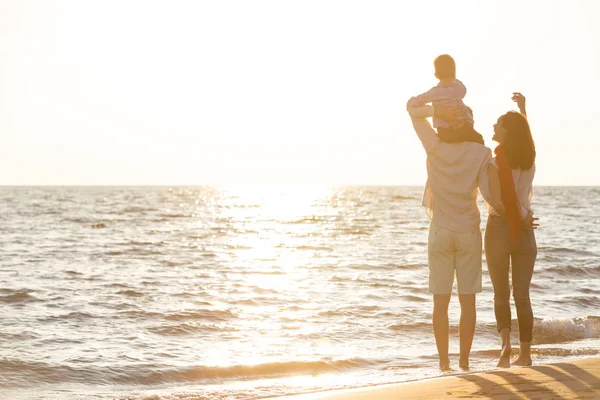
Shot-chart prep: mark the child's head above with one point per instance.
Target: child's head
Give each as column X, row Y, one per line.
column 445, row 68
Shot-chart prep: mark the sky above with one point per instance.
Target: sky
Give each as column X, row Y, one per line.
column 120, row 92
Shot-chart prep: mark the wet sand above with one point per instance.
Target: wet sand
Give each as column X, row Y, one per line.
column 560, row 381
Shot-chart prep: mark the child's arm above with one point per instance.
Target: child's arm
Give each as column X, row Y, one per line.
column 456, row 91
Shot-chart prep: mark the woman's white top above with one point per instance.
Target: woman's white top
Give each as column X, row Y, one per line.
column 523, row 180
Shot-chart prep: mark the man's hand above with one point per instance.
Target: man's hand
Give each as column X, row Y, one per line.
column 529, row 223
column 448, row 113
column 520, row 100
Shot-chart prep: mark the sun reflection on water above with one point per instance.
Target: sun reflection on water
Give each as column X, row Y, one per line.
column 271, row 222
column 271, row 213
column 281, row 202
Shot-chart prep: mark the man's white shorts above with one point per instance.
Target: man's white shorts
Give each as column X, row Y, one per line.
column 450, row 251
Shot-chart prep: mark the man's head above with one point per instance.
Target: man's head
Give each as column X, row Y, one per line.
column 445, row 68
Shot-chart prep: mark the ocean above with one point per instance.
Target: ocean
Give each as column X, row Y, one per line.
column 246, row 292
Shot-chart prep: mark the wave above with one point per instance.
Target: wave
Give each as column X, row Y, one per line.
column 306, row 247
column 18, row 296
column 266, row 272
column 171, row 216
column 565, row 250
column 238, row 246
column 403, row 198
column 118, row 285
column 354, row 231
column 135, row 209
column 245, row 302
column 308, row 220
column 93, row 222
column 202, row 314
column 130, row 293
column 14, row 336
column 134, row 251
column 413, row 298
column 571, row 270
column 20, row 373
column 75, row 315
column 194, row 237
column 586, row 301
column 138, row 244
column 170, row 263
column 351, row 311
column 82, row 220
column 419, row 326
column 184, row 329
column 382, row 285
column 589, row 291
column 140, row 314
column 545, row 331
column 543, row 352
column 561, row 330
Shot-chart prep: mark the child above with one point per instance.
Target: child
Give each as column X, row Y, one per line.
column 449, row 93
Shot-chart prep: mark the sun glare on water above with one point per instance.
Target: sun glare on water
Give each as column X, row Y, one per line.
column 269, row 253
column 274, row 221
column 281, row 202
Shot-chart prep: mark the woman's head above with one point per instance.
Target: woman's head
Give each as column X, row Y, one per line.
column 513, row 133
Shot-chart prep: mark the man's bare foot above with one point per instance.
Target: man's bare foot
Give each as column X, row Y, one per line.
column 522, row 361
column 464, row 365
column 504, row 361
column 445, row 365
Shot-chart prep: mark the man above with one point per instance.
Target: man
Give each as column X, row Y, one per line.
column 454, row 173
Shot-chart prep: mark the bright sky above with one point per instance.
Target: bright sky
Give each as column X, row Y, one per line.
column 194, row 92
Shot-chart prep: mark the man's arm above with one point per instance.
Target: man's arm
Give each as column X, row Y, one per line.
column 421, row 112
column 455, row 91
column 423, row 128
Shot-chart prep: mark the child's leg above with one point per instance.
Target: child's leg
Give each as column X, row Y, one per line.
column 464, row 133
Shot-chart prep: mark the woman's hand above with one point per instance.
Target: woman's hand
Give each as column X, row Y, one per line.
column 529, row 223
column 448, row 113
column 520, row 100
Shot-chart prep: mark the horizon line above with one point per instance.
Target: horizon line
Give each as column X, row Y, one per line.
column 258, row 184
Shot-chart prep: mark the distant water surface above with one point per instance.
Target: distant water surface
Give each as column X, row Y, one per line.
column 247, row 292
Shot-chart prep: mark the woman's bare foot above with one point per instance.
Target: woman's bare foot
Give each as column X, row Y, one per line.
column 504, row 361
column 445, row 365
column 464, row 365
column 522, row 361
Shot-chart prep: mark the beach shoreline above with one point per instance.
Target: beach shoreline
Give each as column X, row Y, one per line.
column 578, row 379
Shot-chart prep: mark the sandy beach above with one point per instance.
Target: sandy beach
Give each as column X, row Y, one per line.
column 560, row 381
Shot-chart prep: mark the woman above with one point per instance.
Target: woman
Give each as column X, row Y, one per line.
column 509, row 237
column 507, row 240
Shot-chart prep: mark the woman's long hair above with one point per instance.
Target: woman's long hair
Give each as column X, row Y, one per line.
column 518, row 143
